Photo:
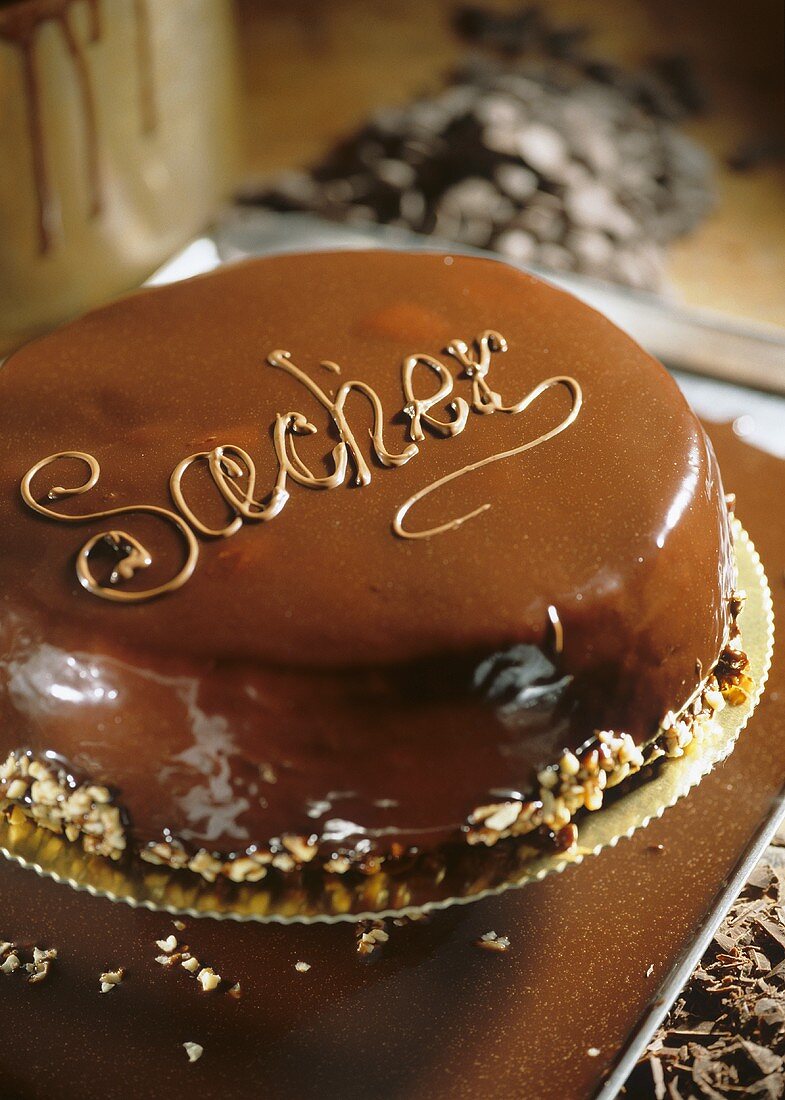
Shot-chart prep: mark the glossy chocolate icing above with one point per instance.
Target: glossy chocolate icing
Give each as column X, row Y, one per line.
column 318, row 675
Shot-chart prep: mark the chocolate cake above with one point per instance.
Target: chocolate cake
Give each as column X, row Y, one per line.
column 340, row 561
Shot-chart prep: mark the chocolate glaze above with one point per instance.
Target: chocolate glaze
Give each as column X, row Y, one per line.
column 316, row 674
column 429, row 1015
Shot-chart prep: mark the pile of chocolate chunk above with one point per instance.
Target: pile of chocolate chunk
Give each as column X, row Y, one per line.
column 533, row 149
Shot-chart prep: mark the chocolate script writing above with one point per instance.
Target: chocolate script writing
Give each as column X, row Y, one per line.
column 233, row 471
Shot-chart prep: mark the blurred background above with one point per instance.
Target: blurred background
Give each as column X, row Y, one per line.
column 710, row 69
column 636, row 141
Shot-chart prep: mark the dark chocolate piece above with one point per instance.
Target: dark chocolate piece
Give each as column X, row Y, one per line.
column 560, row 159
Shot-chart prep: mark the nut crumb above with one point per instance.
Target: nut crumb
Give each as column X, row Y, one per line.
column 17, row 788
column 650, row 971
column 302, row 967
column 491, row 942
column 410, row 918
column 235, row 991
column 191, row 963
column 164, row 960
column 9, row 964
column 110, row 978
column 208, row 978
column 593, row 1052
column 503, row 816
column 194, row 1051
column 179, row 925
column 35, row 970
column 300, row 847
column 337, row 865
column 370, row 935
column 168, row 945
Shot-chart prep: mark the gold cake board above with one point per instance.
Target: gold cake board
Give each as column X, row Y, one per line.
column 354, row 897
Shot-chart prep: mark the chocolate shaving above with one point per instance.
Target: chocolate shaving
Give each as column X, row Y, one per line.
column 725, row 1035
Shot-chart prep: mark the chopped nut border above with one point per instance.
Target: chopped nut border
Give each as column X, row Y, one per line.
column 47, row 794
column 578, row 783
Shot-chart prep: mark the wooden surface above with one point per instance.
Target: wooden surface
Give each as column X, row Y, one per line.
column 312, row 70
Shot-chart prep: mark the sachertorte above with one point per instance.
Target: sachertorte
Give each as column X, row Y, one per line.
column 339, row 560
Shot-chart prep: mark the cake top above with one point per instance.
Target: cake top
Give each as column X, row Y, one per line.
column 144, row 384
column 398, row 463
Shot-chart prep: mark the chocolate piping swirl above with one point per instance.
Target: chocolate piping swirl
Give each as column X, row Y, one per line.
column 223, row 466
column 476, row 363
column 558, row 380
column 283, row 359
column 135, row 556
column 418, row 408
column 229, row 463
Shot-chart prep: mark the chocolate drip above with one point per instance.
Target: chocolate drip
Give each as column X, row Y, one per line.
column 87, row 97
column 144, row 63
column 19, row 26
